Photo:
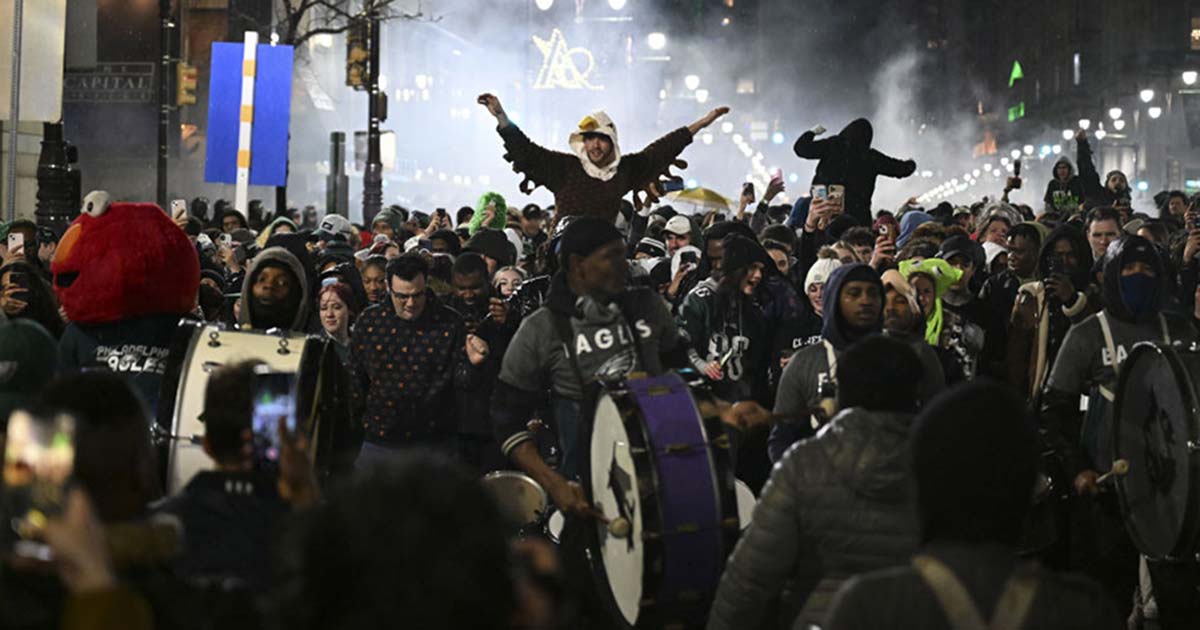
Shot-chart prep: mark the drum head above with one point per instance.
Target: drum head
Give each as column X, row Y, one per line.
column 521, row 500
column 745, row 503
column 615, row 492
column 1154, row 421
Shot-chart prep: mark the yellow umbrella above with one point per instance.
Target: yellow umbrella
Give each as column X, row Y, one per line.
column 699, row 198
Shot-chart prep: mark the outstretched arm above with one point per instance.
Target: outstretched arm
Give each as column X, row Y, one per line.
column 707, row 120
column 807, row 146
column 890, row 166
column 541, row 166
column 1087, row 168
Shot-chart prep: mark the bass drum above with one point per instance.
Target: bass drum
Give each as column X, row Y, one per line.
column 1156, row 430
column 661, row 468
column 197, row 350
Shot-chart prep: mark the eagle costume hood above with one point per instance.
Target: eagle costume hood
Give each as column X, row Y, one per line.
column 598, row 123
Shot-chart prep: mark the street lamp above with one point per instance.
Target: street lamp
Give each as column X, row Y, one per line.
column 702, row 96
column 1154, row 112
column 616, row 5
column 691, row 81
column 1016, row 154
column 1146, row 95
column 1100, row 133
column 656, row 41
column 544, row 4
column 1028, row 149
column 1115, row 113
column 1118, row 124
column 1189, row 77
column 1068, row 134
column 1085, row 124
column 726, row 127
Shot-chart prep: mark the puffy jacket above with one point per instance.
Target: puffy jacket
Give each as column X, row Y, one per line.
column 837, row 505
column 900, row 598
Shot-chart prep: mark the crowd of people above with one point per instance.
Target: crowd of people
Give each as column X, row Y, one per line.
column 896, row 383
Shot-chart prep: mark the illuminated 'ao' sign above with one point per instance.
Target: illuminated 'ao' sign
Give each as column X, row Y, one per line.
column 561, row 65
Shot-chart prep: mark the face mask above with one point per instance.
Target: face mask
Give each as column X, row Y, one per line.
column 1139, row 291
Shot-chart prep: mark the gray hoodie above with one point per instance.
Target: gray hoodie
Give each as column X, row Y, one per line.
column 283, row 257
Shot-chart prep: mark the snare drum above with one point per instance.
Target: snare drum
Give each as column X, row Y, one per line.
column 196, row 351
column 659, row 465
column 522, row 501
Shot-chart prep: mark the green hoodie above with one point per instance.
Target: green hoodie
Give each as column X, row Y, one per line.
column 944, row 276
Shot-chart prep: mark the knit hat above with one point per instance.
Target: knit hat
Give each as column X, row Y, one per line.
column 974, row 479
column 742, row 252
column 944, row 276
column 27, row 362
column 493, row 244
column 651, row 246
column 585, row 235
column 819, row 272
column 678, row 225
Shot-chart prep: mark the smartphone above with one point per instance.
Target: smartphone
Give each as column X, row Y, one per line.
column 689, row 258
column 39, row 457
column 1017, row 168
column 226, row 240
column 1196, row 223
column 19, row 279
column 820, row 192
column 16, row 243
column 748, row 191
column 178, row 209
column 883, row 229
column 672, row 185
column 837, row 191
column 275, row 397
column 1056, row 265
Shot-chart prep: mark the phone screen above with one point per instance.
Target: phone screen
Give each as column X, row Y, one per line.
column 39, row 455
column 688, row 258
column 672, row 185
column 16, row 243
column 819, row 192
column 274, row 398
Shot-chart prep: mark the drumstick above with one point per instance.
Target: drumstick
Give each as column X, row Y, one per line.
column 1119, row 468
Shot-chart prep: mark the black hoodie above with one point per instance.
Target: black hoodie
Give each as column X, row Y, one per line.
column 848, row 159
column 1084, row 364
column 1063, row 196
column 798, row 387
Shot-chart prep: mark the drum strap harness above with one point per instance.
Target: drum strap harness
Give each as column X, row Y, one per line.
column 1112, row 347
column 1011, row 608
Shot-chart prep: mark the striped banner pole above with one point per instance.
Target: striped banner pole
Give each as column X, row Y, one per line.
column 246, row 121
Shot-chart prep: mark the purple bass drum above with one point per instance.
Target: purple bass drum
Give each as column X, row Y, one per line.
column 660, row 470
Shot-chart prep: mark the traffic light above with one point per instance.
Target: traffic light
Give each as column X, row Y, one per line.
column 357, row 55
column 185, row 85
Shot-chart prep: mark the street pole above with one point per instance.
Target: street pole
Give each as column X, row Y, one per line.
column 14, row 108
column 373, row 176
column 164, row 97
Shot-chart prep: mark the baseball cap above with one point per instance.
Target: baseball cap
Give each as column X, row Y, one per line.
column 679, row 225
column 532, row 211
column 334, row 225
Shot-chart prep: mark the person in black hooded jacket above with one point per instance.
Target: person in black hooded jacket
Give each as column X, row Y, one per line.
column 1088, row 364
column 1064, row 191
column 853, row 310
column 848, row 159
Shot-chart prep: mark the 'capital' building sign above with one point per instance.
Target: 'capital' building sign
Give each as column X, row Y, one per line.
column 110, row 83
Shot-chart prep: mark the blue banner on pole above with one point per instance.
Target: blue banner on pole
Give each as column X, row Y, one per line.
column 272, row 111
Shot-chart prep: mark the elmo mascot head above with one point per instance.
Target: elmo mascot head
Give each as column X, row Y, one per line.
column 122, row 260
